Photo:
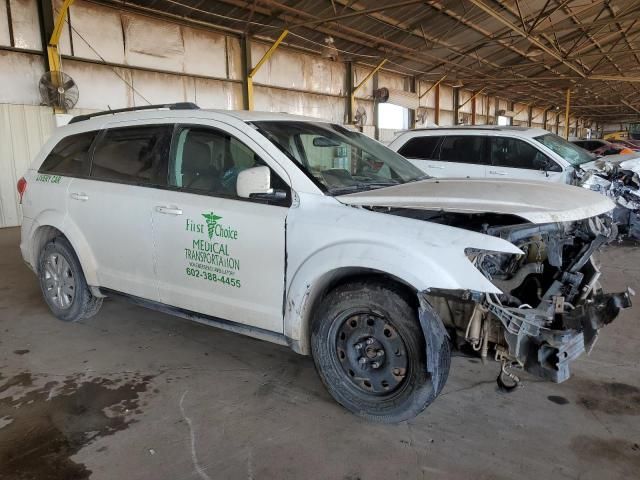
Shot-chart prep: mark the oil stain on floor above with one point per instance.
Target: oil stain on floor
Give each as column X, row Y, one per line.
column 613, row 398
column 42, row 427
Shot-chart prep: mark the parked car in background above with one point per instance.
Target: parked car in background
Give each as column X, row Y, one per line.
column 590, row 144
column 633, row 145
column 308, row 234
column 526, row 153
column 491, row 152
column 604, row 147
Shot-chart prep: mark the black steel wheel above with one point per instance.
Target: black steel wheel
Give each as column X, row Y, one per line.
column 370, row 351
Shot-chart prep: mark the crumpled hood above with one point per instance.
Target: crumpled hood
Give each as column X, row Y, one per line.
column 538, row 202
column 629, row 161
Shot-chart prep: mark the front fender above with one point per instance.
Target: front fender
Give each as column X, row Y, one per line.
column 419, row 254
column 441, row 268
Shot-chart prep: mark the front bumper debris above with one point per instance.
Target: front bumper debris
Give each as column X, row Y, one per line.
column 547, row 351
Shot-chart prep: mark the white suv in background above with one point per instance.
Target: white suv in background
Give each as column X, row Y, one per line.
column 311, row 235
column 491, row 152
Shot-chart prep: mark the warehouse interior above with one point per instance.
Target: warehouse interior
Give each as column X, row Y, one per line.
column 141, row 394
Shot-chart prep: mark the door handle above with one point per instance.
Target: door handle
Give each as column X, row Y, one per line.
column 169, row 210
column 83, row 197
column 495, row 172
column 436, row 166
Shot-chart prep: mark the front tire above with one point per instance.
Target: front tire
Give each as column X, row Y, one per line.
column 63, row 284
column 369, row 350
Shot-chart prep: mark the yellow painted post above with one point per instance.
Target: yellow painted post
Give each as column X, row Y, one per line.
column 566, row 114
column 435, row 85
column 255, row 69
column 53, row 55
column 52, row 49
column 359, row 86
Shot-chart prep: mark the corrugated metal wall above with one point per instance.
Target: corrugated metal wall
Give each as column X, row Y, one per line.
column 23, row 130
column 120, row 59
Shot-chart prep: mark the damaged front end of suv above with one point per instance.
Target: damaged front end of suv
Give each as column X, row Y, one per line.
column 551, row 306
column 619, row 179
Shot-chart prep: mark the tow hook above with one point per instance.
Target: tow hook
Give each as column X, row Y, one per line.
column 514, row 380
column 507, row 380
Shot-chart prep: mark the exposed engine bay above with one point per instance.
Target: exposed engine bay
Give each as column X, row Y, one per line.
column 619, row 180
column 551, row 306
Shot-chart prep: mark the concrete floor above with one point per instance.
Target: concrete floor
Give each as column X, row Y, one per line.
column 135, row 394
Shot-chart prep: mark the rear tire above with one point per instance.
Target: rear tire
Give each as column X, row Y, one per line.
column 369, row 350
column 63, row 284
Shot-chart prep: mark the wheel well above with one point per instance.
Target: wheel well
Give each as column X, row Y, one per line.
column 42, row 236
column 343, row 276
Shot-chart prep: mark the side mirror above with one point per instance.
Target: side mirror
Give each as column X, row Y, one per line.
column 256, row 183
column 542, row 163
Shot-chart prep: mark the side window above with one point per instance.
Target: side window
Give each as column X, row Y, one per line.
column 209, row 161
column 422, row 148
column 133, row 155
column 515, row 153
column 463, row 149
column 70, row 156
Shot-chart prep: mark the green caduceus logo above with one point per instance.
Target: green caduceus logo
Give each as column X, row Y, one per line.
column 211, row 219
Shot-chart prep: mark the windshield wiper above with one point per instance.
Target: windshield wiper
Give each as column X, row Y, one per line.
column 360, row 187
column 417, row 179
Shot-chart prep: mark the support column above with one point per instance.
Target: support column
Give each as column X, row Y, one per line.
column 412, row 112
column 354, row 90
column 486, row 120
column 436, row 114
column 456, row 106
column 245, row 52
column 473, row 109
column 529, row 116
column 566, row 114
column 45, row 14
column 349, row 78
column 376, row 104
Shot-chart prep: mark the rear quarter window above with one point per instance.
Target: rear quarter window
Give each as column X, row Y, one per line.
column 422, row 148
column 70, row 156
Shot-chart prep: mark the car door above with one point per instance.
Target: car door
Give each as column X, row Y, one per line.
column 112, row 206
column 218, row 254
column 422, row 151
column 463, row 156
column 514, row 158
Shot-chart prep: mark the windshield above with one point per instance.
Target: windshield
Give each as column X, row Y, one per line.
column 338, row 159
column 567, row 150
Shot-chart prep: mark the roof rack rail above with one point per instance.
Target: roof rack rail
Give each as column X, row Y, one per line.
column 170, row 106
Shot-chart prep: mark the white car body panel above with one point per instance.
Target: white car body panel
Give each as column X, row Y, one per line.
column 538, row 202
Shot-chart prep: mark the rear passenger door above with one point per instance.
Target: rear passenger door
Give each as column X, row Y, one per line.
column 219, row 254
column 112, row 206
column 463, row 156
column 67, row 160
column 515, row 158
column 423, row 153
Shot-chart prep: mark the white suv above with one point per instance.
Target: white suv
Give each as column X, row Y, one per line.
column 491, row 152
column 312, row 235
